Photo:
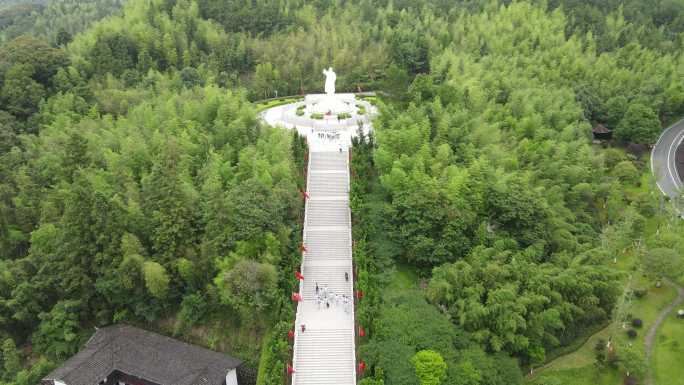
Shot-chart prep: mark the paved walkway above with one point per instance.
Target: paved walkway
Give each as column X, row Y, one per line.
column 324, row 352
column 653, row 330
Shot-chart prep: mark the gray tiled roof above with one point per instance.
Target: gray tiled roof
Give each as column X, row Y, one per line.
column 143, row 354
column 600, row 129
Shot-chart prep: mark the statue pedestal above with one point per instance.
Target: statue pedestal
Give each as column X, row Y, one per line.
column 330, row 104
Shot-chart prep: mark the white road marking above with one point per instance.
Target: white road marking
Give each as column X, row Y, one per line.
column 675, row 143
column 653, row 156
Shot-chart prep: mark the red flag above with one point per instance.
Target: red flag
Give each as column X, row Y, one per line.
column 359, row 294
column 296, row 297
column 305, row 194
column 362, row 333
column 290, row 334
column 299, row 276
column 362, row 367
column 290, row 369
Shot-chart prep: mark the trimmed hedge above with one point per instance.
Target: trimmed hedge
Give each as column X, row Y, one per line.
column 274, row 103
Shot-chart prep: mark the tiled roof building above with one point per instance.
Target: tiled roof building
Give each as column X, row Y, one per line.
column 123, row 354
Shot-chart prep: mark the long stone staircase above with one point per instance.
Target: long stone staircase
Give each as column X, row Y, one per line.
column 324, row 352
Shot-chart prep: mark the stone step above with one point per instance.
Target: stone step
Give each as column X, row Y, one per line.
column 331, row 239
column 335, row 220
column 330, row 155
column 325, row 165
column 329, row 181
column 325, row 351
column 327, row 213
column 322, row 159
column 328, row 254
column 344, row 244
column 318, row 191
column 314, row 246
column 331, row 277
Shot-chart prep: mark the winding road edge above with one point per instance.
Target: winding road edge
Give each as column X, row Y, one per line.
column 663, row 159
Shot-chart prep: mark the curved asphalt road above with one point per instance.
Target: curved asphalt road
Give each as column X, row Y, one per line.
column 663, row 159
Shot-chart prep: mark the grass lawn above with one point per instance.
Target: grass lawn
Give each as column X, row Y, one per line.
column 404, row 278
column 580, row 358
column 668, row 355
column 223, row 335
column 577, row 376
column 649, row 307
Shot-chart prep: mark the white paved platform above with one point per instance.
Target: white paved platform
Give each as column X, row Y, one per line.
column 324, row 352
column 328, row 134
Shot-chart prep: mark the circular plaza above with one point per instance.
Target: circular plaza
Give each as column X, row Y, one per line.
column 326, row 120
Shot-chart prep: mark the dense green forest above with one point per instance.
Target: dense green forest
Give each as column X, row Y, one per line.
column 55, row 21
column 138, row 185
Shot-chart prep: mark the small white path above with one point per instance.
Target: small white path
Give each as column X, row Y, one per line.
column 324, row 353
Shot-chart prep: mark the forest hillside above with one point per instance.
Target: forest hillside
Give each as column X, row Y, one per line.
column 492, row 234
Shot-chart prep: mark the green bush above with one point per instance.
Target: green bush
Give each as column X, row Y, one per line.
column 261, row 106
column 275, row 354
column 640, row 124
column 373, row 100
column 344, row 115
column 626, row 172
column 430, row 367
column 57, row 334
column 193, row 309
column 33, row 375
column 317, row 116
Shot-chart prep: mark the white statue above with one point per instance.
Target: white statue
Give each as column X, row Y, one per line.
column 330, row 78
